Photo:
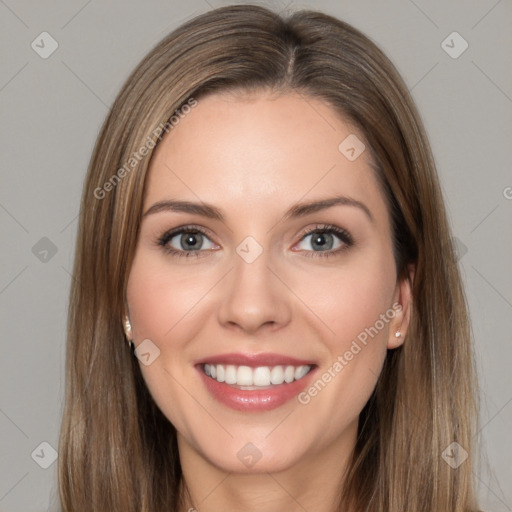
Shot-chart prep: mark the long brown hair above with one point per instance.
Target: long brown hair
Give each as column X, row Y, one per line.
column 117, row 450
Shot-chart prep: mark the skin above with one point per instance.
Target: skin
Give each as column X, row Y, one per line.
column 254, row 156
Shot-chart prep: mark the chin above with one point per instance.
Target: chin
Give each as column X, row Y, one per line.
column 251, row 460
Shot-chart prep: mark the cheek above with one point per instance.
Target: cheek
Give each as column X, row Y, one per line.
column 356, row 305
column 163, row 304
column 350, row 300
column 160, row 299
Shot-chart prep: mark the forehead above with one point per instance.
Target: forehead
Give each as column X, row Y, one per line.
column 261, row 151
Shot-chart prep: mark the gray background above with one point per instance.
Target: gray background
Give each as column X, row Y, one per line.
column 51, row 113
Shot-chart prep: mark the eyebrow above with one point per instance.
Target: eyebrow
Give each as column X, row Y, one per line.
column 296, row 211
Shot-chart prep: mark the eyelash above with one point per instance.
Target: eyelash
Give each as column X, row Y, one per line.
column 342, row 234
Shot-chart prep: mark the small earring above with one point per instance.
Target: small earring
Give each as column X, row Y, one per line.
column 398, row 334
column 128, row 328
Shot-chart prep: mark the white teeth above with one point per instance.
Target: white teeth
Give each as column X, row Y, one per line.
column 289, row 374
column 300, row 372
column 244, row 376
column 277, row 375
column 221, row 373
column 261, row 376
column 230, row 372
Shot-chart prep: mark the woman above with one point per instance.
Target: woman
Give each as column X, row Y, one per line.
column 267, row 312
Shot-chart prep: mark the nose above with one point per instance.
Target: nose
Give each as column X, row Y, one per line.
column 253, row 297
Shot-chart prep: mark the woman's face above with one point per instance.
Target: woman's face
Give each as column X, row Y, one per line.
column 262, row 288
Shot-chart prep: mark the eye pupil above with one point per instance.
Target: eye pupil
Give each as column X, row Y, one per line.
column 192, row 239
column 321, row 241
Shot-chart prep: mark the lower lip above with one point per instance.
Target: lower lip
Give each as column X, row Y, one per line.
column 254, row 400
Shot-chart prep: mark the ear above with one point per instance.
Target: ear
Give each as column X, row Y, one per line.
column 402, row 305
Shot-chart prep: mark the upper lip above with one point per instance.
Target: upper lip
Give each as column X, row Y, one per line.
column 254, row 360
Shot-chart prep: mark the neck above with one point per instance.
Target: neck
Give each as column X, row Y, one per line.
column 312, row 483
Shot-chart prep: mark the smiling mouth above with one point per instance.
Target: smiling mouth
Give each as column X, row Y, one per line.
column 257, row 378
